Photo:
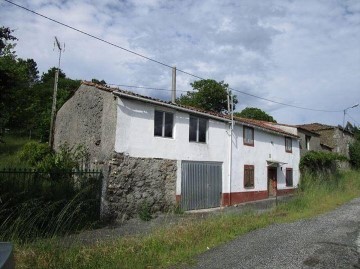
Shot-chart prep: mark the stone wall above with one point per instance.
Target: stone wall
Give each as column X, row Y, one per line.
column 88, row 118
column 134, row 181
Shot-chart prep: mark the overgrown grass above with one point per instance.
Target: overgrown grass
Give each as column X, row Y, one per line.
column 9, row 149
column 179, row 244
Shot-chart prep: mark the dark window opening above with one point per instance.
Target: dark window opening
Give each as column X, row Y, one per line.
column 289, row 177
column 248, row 136
column 197, row 129
column 163, row 124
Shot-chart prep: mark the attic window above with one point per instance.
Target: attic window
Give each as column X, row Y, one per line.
column 163, row 124
column 248, row 136
column 197, row 129
column 288, row 144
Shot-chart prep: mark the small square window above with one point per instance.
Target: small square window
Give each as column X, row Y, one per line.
column 288, row 144
column 249, row 176
column 289, row 177
column 248, row 136
column 163, row 124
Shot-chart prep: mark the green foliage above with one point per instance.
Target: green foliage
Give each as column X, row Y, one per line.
column 254, row 113
column 320, row 161
column 33, row 153
column 209, row 95
column 9, row 151
column 5, row 37
column 144, row 211
column 26, row 101
column 40, row 156
column 354, row 152
column 35, row 204
column 178, row 244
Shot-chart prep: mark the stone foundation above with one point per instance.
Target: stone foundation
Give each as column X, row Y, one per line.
column 132, row 182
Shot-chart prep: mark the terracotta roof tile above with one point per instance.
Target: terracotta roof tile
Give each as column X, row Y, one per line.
column 267, row 126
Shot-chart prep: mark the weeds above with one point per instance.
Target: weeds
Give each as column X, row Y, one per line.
column 178, row 244
column 144, row 211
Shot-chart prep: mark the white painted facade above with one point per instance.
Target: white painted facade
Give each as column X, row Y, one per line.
column 267, row 147
column 135, row 137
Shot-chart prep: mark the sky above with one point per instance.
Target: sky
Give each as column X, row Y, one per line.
column 298, row 52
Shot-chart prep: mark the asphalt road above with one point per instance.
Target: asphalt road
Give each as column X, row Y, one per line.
column 331, row 240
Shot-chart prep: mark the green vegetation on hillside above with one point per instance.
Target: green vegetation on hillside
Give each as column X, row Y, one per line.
column 179, row 244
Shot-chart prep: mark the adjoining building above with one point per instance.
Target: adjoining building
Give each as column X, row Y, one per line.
column 163, row 154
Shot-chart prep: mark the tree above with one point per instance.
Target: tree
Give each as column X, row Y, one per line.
column 5, row 36
column 254, row 113
column 208, row 95
column 100, row 82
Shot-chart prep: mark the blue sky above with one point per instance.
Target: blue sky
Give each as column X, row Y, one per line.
column 301, row 52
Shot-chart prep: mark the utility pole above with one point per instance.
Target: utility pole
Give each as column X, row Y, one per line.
column 53, row 109
column 173, row 88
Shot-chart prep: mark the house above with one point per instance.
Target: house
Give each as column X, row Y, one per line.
column 332, row 138
column 310, row 141
column 162, row 154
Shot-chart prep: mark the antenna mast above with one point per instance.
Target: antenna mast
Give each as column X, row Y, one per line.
column 53, row 109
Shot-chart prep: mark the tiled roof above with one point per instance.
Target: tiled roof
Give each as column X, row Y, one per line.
column 313, row 127
column 266, row 126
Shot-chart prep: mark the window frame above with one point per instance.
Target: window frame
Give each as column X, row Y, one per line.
column 252, row 144
column 198, row 135
column 287, row 138
column 163, row 124
column 307, row 142
column 289, row 172
column 250, row 168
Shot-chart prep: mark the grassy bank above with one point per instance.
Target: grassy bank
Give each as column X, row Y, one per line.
column 178, row 244
column 8, row 151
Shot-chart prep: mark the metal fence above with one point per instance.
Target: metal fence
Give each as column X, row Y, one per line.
column 79, row 190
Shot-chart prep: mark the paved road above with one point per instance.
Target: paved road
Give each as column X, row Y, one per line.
column 331, row 240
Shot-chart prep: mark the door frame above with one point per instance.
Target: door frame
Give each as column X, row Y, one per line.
column 272, row 170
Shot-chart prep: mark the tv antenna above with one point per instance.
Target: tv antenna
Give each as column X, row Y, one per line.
column 53, row 109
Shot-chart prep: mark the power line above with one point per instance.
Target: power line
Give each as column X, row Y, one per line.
column 347, row 113
column 158, row 62
column 143, row 87
column 284, row 104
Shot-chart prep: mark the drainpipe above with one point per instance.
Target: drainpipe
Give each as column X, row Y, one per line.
column 230, row 148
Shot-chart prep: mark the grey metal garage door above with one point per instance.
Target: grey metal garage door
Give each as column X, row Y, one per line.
column 201, row 185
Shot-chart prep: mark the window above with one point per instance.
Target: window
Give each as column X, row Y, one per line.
column 289, row 177
column 197, row 129
column 288, row 144
column 163, row 124
column 248, row 136
column 307, row 142
column 248, row 176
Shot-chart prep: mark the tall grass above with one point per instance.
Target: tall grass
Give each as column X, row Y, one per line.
column 180, row 243
column 8, row 151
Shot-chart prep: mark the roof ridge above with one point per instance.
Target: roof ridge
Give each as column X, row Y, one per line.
column 255, row 123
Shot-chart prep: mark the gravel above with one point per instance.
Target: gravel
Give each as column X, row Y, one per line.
column 327, row 241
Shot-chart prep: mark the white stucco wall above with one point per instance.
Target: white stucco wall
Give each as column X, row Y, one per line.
column 267, row 146
column 135, row 136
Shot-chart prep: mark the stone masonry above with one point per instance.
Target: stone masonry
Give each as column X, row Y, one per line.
column 134, row 181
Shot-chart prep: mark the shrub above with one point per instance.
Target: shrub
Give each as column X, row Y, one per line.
column 354, row 152
column 144, row 211
column 33, row 153
column 320, row 161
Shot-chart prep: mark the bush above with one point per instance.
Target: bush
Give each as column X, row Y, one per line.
column 320, row 161
column 40, row 156
column 354, row 152
column 33, row 153
column 145, row 211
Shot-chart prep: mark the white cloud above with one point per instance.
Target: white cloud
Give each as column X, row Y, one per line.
column 304, row 53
